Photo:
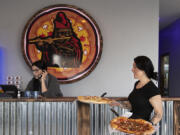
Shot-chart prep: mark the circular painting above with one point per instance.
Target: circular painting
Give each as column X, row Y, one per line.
column 66, row 39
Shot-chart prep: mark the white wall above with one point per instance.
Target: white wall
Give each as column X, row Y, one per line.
column 129, row 28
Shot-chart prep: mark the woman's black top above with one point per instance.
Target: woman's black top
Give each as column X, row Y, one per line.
column 139, row 99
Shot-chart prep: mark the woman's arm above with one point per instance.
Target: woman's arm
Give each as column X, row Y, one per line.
column 156, row 103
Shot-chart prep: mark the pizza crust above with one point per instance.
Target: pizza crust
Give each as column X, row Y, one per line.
column 94, row 99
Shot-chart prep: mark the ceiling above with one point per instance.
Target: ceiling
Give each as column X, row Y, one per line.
column 169, row 11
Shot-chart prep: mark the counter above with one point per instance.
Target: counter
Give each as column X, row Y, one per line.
column 66, row 116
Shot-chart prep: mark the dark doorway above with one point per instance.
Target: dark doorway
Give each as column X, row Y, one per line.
column 164, row 75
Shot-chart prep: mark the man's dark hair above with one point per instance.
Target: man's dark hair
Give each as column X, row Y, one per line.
column 40, row 64
column 145, row 64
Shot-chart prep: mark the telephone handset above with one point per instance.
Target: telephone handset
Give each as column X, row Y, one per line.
column 40, row 77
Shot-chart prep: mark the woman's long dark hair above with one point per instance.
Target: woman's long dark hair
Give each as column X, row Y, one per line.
column 145, row 64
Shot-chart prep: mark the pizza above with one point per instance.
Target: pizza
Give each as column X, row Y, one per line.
column 94, row 99
column 132, row 126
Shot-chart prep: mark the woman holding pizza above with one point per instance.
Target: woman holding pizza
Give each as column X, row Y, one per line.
column 145, row 96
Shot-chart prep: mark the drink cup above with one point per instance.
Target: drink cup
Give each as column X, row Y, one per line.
column 27, row 94
column 35, row 94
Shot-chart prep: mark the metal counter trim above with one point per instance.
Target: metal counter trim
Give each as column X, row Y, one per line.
column 38, row 118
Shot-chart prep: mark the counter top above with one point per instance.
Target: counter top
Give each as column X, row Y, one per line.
column 69, row 99
column 62, row 99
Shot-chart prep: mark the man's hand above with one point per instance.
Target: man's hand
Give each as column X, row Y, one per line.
column 44, row 74
column 43, row 84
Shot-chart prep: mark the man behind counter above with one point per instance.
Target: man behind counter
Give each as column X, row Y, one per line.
column 44, row 82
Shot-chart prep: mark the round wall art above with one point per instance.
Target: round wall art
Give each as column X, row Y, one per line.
column 65, row 38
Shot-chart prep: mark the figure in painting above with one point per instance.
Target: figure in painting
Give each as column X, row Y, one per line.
column 61, row 48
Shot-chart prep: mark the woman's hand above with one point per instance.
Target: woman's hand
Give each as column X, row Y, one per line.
column 122, row 104
column 115, row 103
